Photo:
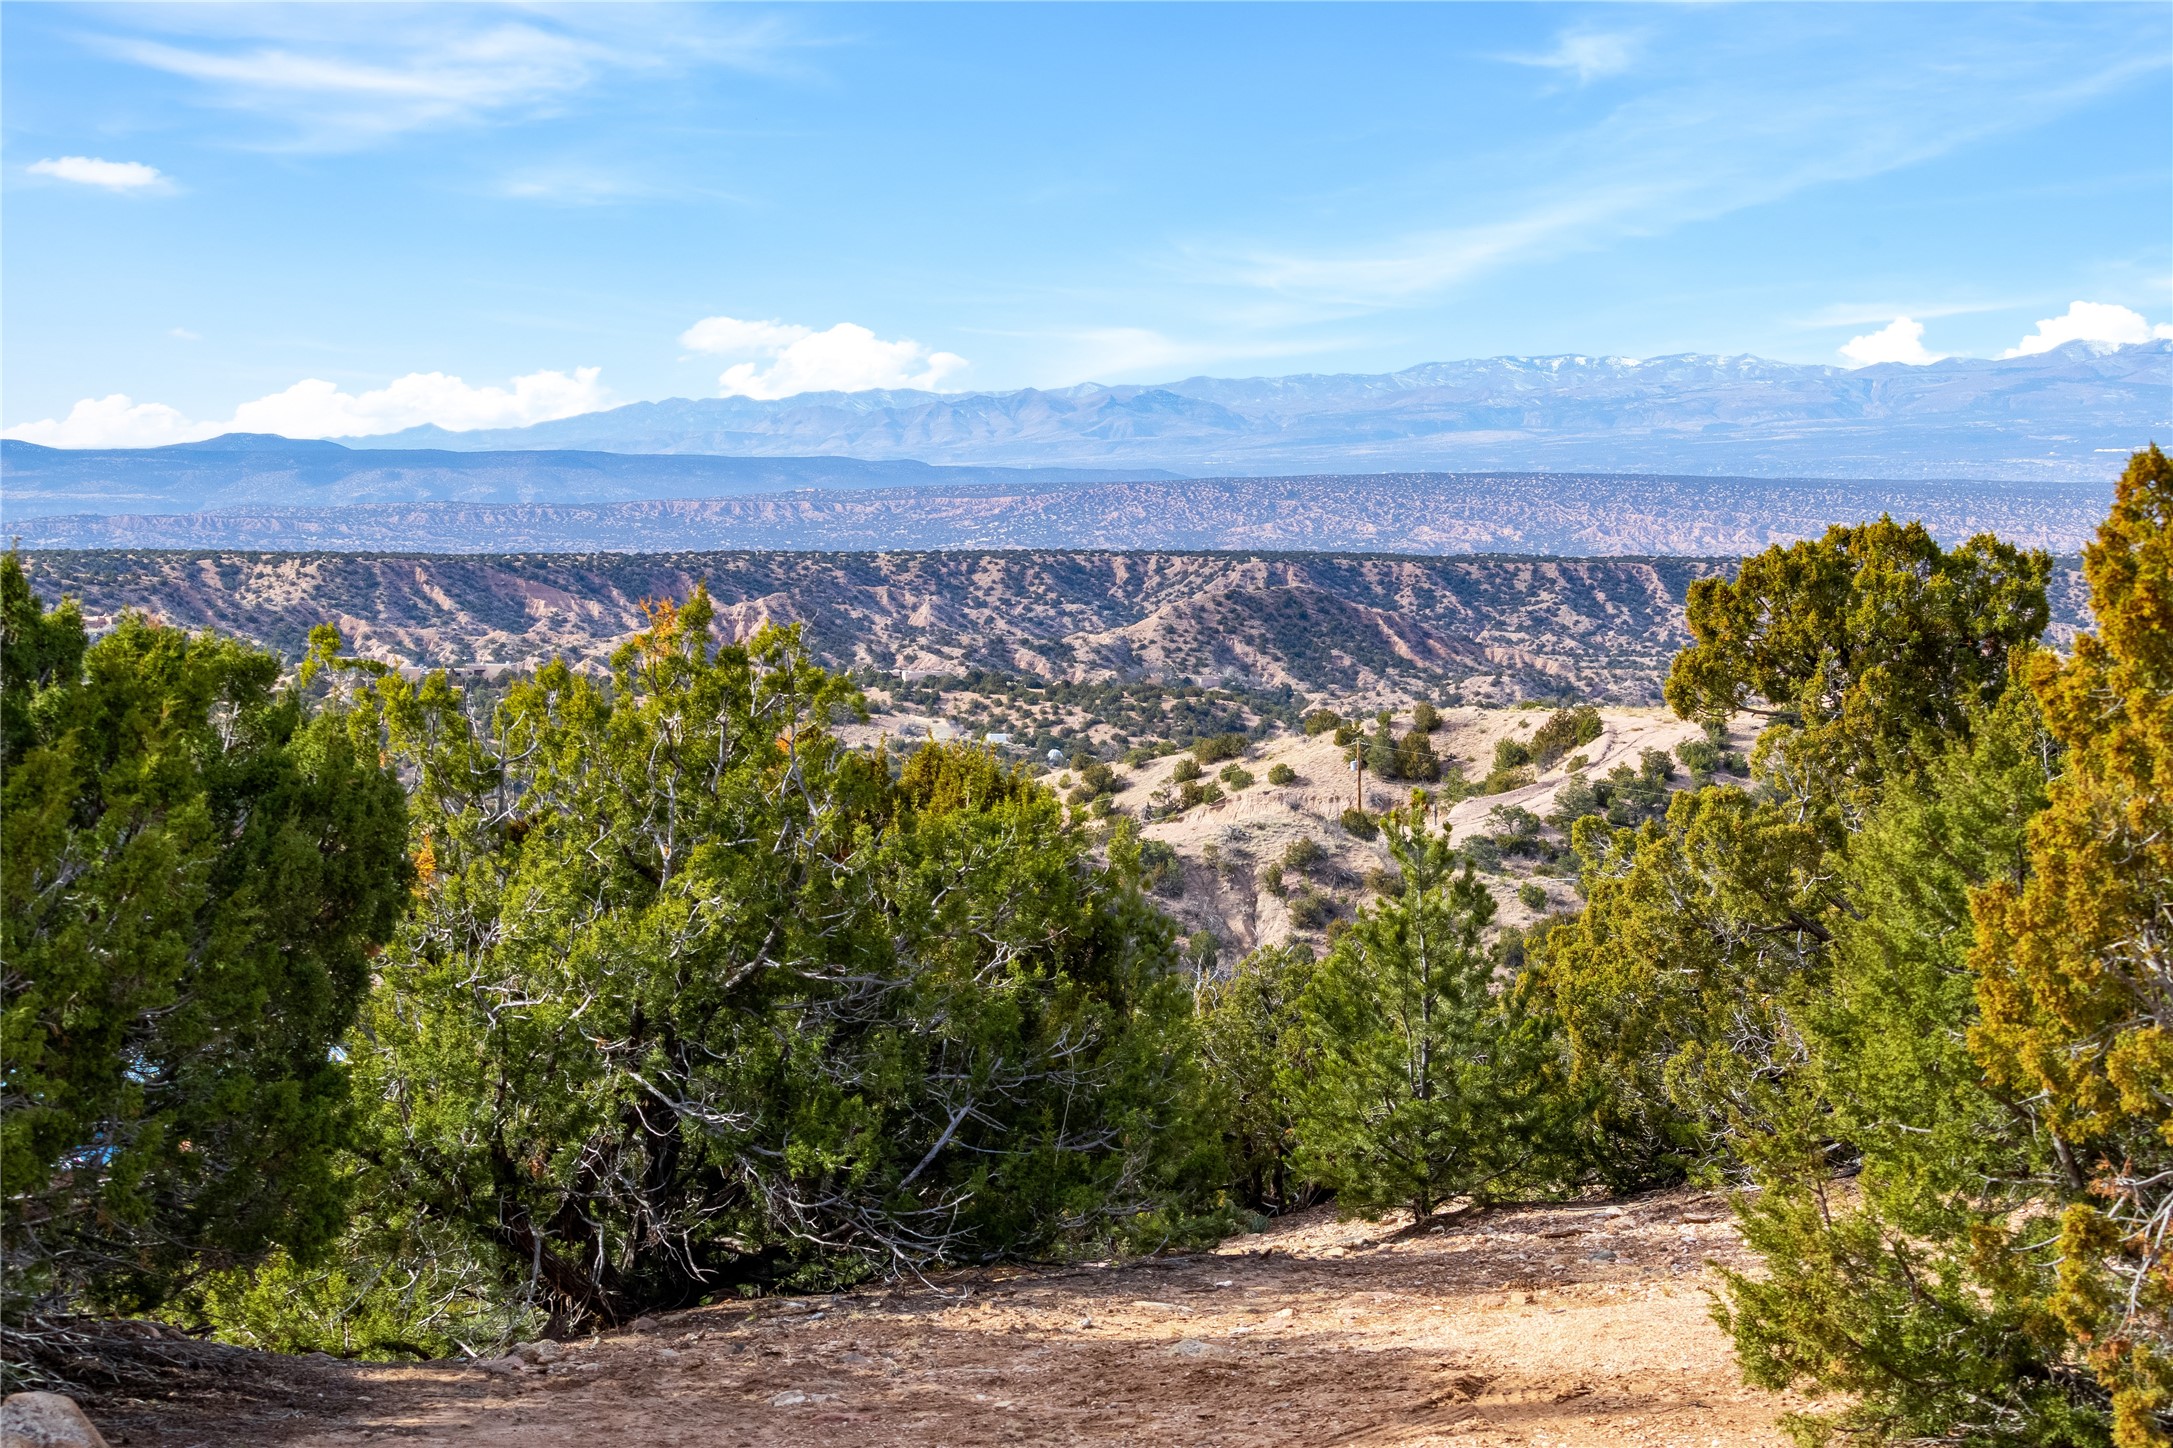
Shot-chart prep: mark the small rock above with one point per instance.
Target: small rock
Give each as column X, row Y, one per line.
column 1188, row 1347
column 503, row 1367
column 46, row 1420
column 642, row 1324
column 667, row 1354
column 1286, row 1312
column 539, row 1354
column 1697, row 1216
column 1602, row 1255
column 793, row 1398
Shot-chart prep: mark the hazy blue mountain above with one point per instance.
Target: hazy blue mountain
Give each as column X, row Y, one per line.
column 251, row 470
column 1407, row 513
column 2073, row 412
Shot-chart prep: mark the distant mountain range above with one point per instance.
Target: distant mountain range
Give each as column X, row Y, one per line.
column 1585, row 455
column 253, row 471
column 1434, row 513
column 2072, row 412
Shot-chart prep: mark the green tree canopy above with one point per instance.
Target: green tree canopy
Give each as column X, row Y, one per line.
column 195, row 870
column 1872, row 645
column 695, row 996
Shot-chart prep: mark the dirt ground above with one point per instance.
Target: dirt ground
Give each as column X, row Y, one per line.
column 1562, row 1326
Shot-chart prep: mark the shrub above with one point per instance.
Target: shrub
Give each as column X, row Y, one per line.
column 1384, row 880
column 1320, row 721
column 1510, row 754
column 1282, row 774
column 1217, row 747
column 1159, row 869
column 1185, row 771
column 1303, row 853
column 1415, row 758
column 1271, row 879
column 1195, row 793
column 1346, row 734
column 1501, row 781
column 1702, row 758
column 1237, row 776
column 1565, row 730
column 1513, row 825
column 1360, row 824
column 1531, row 897
column 1641, row 793
column 1425, row 718
column 1309, row 909
column 1574, row 799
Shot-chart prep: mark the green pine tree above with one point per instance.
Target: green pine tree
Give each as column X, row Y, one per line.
column 1423, row 1083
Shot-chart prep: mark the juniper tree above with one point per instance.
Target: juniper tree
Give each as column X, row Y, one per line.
column 696, row 997
column 2075, row 963
column 195, row 867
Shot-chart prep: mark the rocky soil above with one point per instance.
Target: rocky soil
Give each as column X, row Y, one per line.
column 1568, row 1325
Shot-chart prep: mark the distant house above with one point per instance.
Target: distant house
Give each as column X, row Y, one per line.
column 942, row 732
column 1056, row 756
column 997, row 738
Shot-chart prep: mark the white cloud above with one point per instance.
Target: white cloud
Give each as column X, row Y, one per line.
column 316, row 408
column 731, row 337
column 1586, row 54
column 338, row 78
column 846, row 358
column 1901, row 340
column 93, row 171
column 2089, row 322
column 115, row 421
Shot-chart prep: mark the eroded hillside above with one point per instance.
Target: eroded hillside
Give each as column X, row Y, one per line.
column 1493, row 627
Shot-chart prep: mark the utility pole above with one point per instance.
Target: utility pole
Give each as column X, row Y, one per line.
column 1358, row 768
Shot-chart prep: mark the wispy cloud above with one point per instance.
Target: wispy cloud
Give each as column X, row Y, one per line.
column 1739, row 130
column 1586, row 54
column 103, row 174
column 344, row 78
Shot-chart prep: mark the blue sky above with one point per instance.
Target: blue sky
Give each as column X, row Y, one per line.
column 320, row 219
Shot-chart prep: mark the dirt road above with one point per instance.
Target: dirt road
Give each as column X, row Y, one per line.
column 1560, row 1326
